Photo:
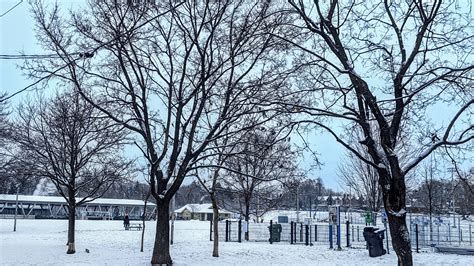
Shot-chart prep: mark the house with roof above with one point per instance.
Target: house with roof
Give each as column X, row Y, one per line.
column 202, row 212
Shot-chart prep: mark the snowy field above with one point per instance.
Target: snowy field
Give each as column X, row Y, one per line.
column 42, row 242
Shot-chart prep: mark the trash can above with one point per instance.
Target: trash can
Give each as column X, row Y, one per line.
column 374, row 237
column 275, row 233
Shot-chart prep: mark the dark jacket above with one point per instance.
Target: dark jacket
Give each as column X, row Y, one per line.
column 126, row 220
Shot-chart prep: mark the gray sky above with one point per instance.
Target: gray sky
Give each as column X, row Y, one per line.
column 17, row 35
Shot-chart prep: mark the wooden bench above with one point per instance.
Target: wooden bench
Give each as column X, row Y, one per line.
column 136, row 226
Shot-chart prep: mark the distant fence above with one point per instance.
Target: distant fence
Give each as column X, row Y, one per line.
column 350, row 234
column 294, row 233
column 19, row 216
column 441, row 235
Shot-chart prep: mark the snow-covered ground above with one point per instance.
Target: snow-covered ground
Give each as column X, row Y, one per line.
column 43, row 242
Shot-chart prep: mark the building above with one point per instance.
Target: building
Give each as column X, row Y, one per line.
column 202, row 212
column 50, row 207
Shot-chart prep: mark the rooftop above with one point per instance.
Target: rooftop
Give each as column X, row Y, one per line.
column 60, row 200
column 199, row 208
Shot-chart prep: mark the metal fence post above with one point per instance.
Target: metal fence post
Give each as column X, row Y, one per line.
column 386, row 236
column 301, row 232
column 416, row 235
column 306, row 234
column 348, row 235
column 315, row 233
column 226, row 230
column 438, row 233
column 210, row 231
column 240, row 231
column 358, row 234
column 271, row 231
column 338, row 236
column 330, row 236
column 291, row 232
column 294, row 233
column 470, row 235
column 449, row 233
column 352, row 233
column 460, row 231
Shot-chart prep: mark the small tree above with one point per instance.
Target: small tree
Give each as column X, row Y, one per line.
column 66, row 141
column 261, row 162
column 362, row 179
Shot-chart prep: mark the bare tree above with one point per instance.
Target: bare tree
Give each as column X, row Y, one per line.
column 255, row 173
column 387, row 62
column 4, row 142
column 66, row 141
column 430, row 190
column 179, row 76
column 362, row 179
column 190, row 193
column 210, row 183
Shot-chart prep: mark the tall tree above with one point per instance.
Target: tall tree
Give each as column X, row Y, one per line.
column 177, row 75
column 390, row 63
column 65, row 139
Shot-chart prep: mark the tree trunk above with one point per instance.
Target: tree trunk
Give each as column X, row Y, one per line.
column 247, row 217
column 161, row 249
column 215, row 224
column 394, row 201
column 400, row 239
column 71, row 229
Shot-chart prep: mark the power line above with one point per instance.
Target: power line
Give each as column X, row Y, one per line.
column 85, row 55
column 21, row 1
column 29, row 56
column 32, row 84
column 24, row 56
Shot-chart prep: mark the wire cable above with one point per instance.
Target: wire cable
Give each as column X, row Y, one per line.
column 28, row 56
column 21, row 1
column 85, row 55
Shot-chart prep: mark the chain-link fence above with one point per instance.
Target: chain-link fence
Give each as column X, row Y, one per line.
column 346, row 235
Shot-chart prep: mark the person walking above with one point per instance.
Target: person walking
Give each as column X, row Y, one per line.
column 126, row 222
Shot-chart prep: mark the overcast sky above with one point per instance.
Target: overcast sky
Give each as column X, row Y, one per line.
column 17, row 35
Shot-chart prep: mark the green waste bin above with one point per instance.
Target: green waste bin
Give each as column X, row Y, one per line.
column 275, row 232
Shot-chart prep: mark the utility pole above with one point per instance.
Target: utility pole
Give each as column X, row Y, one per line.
column 258, row 203
column 310, row 206
column 297, row 204
column 350, row 205
column 172, row 219
column 16, row 207
column 452, row 169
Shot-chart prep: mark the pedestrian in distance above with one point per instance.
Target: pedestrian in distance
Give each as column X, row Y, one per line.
column 126, row 222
